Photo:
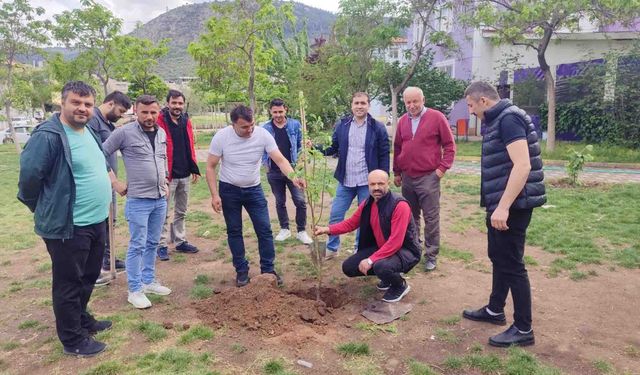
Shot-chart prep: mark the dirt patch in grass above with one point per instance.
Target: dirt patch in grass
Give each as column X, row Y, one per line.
column 262, row 307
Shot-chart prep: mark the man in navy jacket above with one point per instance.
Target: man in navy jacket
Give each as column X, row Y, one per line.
column 362, row 145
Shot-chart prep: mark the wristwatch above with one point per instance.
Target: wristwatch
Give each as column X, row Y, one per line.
column 369, row 262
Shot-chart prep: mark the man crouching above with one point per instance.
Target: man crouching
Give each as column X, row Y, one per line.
column 388, row 242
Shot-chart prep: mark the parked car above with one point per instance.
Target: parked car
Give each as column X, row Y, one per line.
column 23, row 132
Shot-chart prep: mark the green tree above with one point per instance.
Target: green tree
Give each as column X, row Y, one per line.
column 532, row 24
column 153, row 85
column 440, row 89
column 92, row 30
column 137, row 59
column 76, row 69
column 20, row 34
column 235, row 52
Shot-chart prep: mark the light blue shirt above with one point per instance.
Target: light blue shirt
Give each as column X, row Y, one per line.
column 416, row 121
column 93, row 187
column 356, row 166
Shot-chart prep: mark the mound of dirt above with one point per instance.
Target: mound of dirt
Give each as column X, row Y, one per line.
column 261, row 307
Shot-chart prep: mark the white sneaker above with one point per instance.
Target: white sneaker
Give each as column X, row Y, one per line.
column 139, row 300
column 283, row 235
column 304, row 237
column 156, row 288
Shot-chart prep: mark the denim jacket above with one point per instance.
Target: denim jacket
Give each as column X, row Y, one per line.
column 294, row 130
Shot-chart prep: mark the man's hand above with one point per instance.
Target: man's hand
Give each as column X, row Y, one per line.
column 194, row 178
column 439, row 173
column 499, row 219
column 216, row 203
column 300, row 183
column 321, row 230
column 364, row 266
column 120, row 187
column 309, row 143
column 397, row 180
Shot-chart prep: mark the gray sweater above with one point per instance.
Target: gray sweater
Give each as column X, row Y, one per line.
column 146, row 169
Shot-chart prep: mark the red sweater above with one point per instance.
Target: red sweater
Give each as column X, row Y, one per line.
column 386, row 247
column 163, row 124
column 431, row 148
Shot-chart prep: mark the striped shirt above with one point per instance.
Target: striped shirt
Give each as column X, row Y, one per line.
column 356, row 166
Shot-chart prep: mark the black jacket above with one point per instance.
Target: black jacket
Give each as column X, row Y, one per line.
column 386, row 206
column 497, row 165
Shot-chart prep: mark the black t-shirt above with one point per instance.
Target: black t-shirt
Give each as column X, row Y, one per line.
column 152, row 138
column 181, row 149
column 284, row 145
column 512, row 128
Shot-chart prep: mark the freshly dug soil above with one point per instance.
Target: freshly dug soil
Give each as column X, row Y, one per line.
column 261, row 307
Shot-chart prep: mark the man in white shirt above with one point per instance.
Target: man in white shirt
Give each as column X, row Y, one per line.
column 240, row 148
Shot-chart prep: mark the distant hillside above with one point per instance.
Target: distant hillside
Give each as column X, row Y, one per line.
column 185, row 24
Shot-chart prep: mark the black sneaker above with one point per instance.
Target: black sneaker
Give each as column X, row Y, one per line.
column 481, row 315
column 99, row 326
column 120, row 265
column 87, row 348
column 279, row 280
column 163, row 253
column 383, row 285
column 512, row 336
column 395, row 294
column 242, row 279
column 186, row 247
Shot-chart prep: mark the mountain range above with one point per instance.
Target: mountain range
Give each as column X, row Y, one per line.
column 186, row 23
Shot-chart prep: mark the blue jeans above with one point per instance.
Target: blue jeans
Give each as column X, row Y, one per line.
column 145, row 217
column 253, row 200
column 340, row 206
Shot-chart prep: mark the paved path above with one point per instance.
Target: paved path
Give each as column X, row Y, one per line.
column 599, row 174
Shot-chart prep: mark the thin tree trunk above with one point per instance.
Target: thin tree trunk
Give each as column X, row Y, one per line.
column 252, row 78
column 7, row 105
column 394, row 113
column 551, row 114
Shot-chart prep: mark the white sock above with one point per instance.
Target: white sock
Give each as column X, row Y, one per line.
column 491, row 312
column 524, row 332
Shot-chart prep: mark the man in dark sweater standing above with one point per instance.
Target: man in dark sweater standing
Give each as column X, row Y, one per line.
column 183, row 170
column 288, row 135
column 388, row 242
column 512, row 184
column 424, row 150
column 102, row 123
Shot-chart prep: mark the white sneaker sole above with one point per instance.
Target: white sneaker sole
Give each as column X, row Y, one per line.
column 400, row 297
column 141, row 307
column 155, row 292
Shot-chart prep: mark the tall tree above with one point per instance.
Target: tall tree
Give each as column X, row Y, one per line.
column 20, row 34
column 91, row 30
column 533, row 24
column 137, row 59
column 426, row 16
column 235, row 47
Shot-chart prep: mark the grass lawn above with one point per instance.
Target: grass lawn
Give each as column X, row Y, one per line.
column 601, row 153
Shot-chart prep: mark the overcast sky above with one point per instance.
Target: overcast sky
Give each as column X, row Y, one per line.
column 131, row 11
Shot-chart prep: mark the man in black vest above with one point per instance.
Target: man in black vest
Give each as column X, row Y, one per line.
column 512, row 184
column 388, row 242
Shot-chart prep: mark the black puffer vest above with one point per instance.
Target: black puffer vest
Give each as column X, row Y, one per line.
column 496, row 164
column 386, row 206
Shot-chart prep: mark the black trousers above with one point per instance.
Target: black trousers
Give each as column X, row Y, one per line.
column 506, row 251
column 279, row 184
column 387, row 269
column 76, row 265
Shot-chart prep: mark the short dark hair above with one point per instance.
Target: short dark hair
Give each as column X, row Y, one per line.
column 175, row 94
column 146, row 100
column 277, row 103
column 478, row 89
column 241, row 112
column 79, row 88
column 361, row 93
column 118, row 98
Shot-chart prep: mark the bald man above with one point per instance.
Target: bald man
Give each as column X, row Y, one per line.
column 388, row 242
column 423, row 151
